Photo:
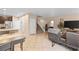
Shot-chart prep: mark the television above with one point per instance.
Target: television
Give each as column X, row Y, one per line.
column 71, row 24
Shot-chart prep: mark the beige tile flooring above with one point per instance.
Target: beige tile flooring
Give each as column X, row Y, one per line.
column 40, row 42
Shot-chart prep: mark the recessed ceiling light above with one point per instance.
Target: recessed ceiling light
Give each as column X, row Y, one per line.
column 4, row 9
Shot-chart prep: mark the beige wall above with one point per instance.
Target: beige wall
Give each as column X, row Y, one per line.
column 44, row 20
column 57, row 19
column 25, row 24
column 65, row 18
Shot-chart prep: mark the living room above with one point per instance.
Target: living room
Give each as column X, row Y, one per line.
column 36, row 28
column 69, row 30
column 39, row 29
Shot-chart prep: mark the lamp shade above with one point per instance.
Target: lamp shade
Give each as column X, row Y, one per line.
column 51, row 23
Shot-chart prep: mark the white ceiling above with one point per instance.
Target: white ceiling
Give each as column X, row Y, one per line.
column 40, row 11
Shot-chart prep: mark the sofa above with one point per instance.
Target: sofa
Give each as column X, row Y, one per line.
column 71, row 41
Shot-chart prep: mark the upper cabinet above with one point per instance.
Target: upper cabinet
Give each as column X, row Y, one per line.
column 5, row 18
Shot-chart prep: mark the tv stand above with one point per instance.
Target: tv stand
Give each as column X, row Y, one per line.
column 72, row 30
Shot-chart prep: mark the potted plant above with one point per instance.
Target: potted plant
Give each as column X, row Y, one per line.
column 61, row 26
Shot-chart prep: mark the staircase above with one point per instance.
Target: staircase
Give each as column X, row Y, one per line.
column 40, row 28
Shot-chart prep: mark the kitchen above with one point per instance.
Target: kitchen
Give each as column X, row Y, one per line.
column 10, row 33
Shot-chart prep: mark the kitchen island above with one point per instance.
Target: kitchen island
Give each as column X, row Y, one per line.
column 11, row 39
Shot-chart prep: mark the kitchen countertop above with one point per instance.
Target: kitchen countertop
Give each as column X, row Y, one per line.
column 9, row 37
column 12, row 29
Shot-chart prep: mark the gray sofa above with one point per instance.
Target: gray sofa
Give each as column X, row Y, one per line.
column 71, row 41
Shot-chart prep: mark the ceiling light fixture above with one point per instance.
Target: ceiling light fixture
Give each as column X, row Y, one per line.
column 4, row 9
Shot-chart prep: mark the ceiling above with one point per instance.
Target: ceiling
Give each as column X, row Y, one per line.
column 40, row 11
